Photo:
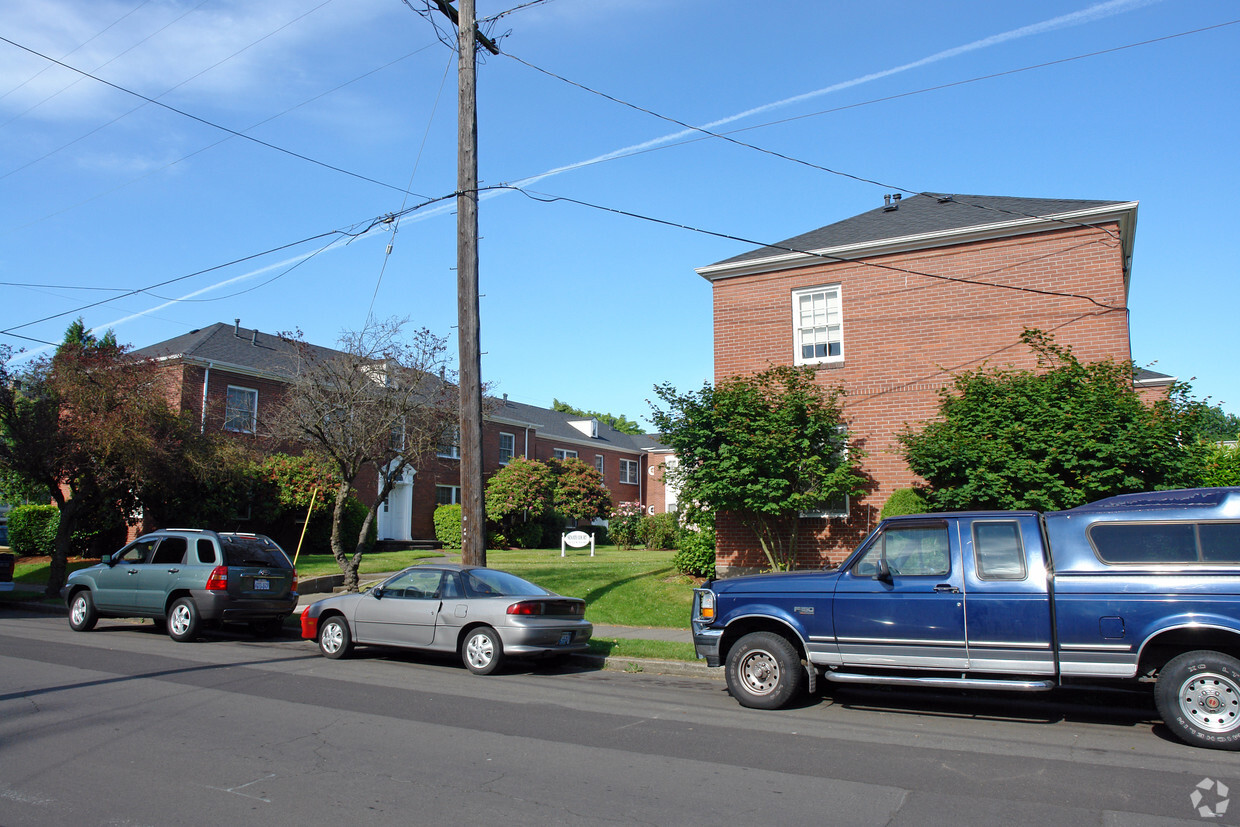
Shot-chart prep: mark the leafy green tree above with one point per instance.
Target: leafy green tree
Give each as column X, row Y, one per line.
column 620, row 422
column 1219, row 426
column 518, row 493
column 579, row 493
column 78, row 424
column 764, row 448
column 1220, row 465
column 522, row 495
column 1065, row 434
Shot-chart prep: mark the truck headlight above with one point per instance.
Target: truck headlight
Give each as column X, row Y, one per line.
column 706, row 604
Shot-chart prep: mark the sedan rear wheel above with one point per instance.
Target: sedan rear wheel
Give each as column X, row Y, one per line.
column 482, row 651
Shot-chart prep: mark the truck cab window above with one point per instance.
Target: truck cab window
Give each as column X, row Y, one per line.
column 910, row 550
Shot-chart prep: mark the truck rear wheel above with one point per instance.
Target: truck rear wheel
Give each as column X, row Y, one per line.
column 764, row 671
column 1198, row 696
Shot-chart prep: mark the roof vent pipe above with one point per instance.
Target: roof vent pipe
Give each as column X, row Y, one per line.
column 237, row 328
column 891, row 202
column 254, row 338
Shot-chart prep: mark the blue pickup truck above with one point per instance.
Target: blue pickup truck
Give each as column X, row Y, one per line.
column 1139, row 588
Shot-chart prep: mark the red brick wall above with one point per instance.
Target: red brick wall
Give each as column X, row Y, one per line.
column 904, row 335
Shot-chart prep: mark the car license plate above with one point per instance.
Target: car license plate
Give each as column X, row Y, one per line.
column 261, row 584
column 566, row 638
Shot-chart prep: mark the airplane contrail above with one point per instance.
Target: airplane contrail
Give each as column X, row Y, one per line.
column 1091, row 14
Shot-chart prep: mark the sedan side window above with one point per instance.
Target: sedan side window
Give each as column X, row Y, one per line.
column 419, row 584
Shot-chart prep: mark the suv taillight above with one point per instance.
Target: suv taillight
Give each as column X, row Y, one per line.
column 218, row 581
column 293, row 587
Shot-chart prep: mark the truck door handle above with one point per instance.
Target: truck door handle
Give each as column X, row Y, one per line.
column 173, row 571
column 947, row 587
column 132, row 572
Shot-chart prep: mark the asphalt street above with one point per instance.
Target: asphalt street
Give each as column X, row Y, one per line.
column 124, row 726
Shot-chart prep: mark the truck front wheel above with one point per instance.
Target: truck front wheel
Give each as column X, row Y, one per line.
column 1198, row 696
column 763, row 671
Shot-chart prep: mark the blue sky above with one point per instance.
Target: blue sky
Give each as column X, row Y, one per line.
column 103, row 194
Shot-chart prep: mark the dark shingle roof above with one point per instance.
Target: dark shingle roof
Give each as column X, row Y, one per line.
column 555, row 425
column 232, row 345
column 268, row 354
column 923, row 214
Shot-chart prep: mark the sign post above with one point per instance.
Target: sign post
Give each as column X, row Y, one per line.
column 577, row 539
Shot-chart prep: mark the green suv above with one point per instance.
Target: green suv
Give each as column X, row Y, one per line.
column 187, row 578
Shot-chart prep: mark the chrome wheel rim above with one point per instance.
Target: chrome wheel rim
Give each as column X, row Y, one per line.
column 78, row 615
column 178, row 621
column 1211, row 701
column 480, row 650
column 333, row 637
column 759, row 672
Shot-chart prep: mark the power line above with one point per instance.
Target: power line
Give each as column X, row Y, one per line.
column 350, row 233
column 200, row 120
column 547, row 199
column 727, row 136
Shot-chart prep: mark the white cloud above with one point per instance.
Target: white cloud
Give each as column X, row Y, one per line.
column 157, row 46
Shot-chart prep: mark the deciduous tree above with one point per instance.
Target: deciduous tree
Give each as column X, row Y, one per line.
column 381, row 402
column 1065, row 434
column 764, row 448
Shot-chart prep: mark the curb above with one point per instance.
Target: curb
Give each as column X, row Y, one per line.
column 653, row 666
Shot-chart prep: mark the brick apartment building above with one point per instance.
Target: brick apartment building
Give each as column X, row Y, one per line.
column 226, row 376
column 891, row 303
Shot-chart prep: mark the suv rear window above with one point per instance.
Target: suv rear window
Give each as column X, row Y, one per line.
column 253, row 551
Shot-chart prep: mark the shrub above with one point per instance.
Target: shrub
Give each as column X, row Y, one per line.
column 695, row 553
column 448, row 525
column 624, row 524
column 32, row 530
column 658, row 530
column 904, row 501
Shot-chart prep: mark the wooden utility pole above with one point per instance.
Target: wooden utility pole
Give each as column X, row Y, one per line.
column 473, row 515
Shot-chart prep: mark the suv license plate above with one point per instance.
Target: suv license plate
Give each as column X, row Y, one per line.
column 566, row 638
column 262, row 585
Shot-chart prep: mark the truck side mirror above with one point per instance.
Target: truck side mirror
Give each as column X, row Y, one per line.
column 884, row 571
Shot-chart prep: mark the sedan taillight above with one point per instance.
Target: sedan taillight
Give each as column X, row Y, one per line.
column 218, row 581
column 548, row 607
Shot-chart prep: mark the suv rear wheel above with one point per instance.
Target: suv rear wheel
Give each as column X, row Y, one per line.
column 183, row 620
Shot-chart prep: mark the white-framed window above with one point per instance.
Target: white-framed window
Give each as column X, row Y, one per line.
column 628, row 471
column 507, row 448
column 447, row 495
column 598, row 464
column 817, row 325
column 450, row 447
column 241, row 410
column 563, row 453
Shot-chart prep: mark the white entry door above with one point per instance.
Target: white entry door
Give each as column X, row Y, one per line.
column 396, row 512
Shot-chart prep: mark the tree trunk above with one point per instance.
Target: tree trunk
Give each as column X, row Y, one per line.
column 58, row 569
column 348, row 564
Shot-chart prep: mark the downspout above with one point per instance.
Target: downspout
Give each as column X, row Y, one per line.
column 527, row 443
column 206, row 380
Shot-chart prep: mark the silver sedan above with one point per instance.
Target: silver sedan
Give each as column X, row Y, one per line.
column 483, row 614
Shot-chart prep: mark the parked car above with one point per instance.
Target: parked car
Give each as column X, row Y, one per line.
column 188, row 578
column 7, row 562
column 1114, row 592
column 484, row 615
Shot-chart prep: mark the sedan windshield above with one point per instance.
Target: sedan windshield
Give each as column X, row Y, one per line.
column 492, row 583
